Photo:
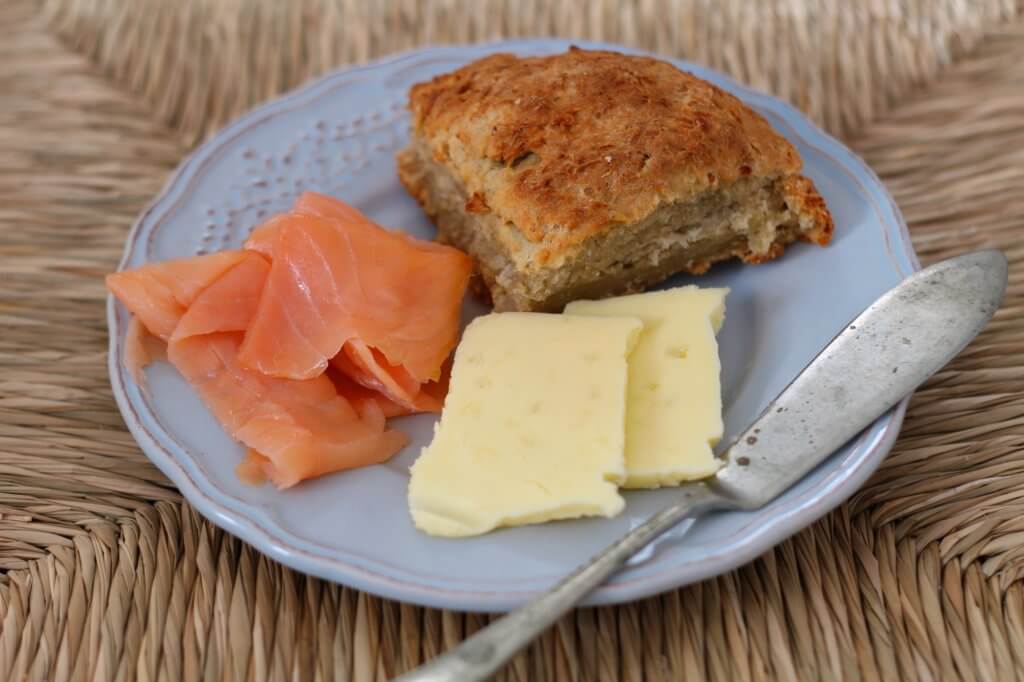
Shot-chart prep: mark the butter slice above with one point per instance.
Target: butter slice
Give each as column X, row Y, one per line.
column 532, row 428
column 674, row 405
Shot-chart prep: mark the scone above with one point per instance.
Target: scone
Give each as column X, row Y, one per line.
column 590, row 174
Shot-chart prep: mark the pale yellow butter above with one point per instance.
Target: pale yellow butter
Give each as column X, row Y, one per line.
column 674, row 404
column 533, row 425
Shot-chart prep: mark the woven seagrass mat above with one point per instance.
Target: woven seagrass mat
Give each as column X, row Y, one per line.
column 106, row 574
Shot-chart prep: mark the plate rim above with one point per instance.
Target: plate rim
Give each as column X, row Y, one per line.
column 235, row 516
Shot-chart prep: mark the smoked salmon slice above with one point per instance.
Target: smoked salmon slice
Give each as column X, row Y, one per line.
column 336, row 277
column 364, row 399
column 369, row 368
column 301, row 428
column 158, row 294
column 303, row 344
column 229, row 303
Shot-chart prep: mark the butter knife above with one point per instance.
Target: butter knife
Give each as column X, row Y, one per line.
column 903, row 338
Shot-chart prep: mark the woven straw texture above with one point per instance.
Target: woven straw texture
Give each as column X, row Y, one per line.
column 106, row 574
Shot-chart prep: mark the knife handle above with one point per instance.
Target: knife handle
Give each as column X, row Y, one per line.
column 485, row 652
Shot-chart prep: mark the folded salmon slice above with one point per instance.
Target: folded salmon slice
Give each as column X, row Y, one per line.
column 303, row 344
column 229, row 303
column 369, row 368
column 337, row 277
column 364, row 399
column 365, row 366
column 297, row 429
column 159, row 294
column 301, row 428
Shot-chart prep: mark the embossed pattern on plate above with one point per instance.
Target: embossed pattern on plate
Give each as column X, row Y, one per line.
column 338, row 135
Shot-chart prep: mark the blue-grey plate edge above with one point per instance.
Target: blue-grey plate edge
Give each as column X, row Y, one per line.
column 239, row 519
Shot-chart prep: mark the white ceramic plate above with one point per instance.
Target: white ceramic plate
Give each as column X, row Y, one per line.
column 338, row 136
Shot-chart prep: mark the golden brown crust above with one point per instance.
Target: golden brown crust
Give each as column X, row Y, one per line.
column 566, row 146
column 803, row 198
column 589, row 174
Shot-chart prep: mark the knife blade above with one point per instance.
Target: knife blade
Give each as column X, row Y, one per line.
column 899, row 341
